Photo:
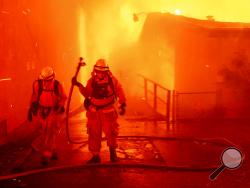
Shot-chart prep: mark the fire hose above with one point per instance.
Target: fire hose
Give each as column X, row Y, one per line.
column 80, row 64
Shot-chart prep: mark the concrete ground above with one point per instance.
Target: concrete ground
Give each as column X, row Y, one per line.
column 151, row 154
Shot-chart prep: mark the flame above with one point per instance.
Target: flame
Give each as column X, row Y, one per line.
column 178, row 12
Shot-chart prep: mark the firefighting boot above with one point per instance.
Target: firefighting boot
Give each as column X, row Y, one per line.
column 44, row 161
column 113, row 155
column 54, row 156
column 94, row 159
column 45, row 157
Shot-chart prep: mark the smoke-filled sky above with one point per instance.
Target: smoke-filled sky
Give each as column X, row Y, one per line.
column 111, row 18
column 111, row 27
column 223, row 10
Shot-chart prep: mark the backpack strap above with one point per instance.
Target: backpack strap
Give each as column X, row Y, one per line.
column 111, row 83
column 56, row 87
column 40, row 88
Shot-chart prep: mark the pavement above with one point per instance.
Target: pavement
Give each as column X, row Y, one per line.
column 151, row 154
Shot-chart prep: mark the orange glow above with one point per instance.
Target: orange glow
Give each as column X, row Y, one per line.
column 131, row 29
column 224, row 10
column 82, row 41
column 81, row 33
column 111, row 31
column 178, row 12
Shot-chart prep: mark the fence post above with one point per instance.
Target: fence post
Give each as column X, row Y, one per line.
column 173, row 106
column 155, row 96
column 3, row 128
column 146, row 90
column 168, row 107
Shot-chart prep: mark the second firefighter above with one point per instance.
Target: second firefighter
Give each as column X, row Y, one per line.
column 101, row 93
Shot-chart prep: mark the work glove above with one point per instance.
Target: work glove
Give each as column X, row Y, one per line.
column 59, row 109
column 75, row 82
column 122, row 109
column 30, row 115
column 87, row 103
column 34, row 108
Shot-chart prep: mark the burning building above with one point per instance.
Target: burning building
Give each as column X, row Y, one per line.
column 204, row 61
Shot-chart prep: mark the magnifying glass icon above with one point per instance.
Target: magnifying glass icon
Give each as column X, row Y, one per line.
column 231, row 158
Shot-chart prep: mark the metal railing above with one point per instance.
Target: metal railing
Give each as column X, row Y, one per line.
column 193, row 95
column 156, row 98
column 3, row 128
column 172, row 103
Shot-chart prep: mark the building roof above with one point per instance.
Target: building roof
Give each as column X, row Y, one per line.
column 209, row 23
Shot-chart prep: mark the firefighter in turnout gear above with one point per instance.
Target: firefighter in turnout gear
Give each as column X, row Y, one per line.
column 101, row 93
column 47, row 103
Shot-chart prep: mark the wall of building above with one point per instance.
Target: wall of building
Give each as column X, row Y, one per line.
column 201, row 55
column 34, row 34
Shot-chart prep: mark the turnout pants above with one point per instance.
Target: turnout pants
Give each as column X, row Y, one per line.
column 97, row 121
column 45, row 143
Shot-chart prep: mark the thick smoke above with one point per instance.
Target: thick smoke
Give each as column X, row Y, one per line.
column 235, row 84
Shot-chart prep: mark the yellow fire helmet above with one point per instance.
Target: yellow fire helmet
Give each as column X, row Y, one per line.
column 47, row 73
column 101, row 65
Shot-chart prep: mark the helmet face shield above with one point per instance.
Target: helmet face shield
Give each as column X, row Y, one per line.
column 100, row 69
column 100, row 75
column 47, row 74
